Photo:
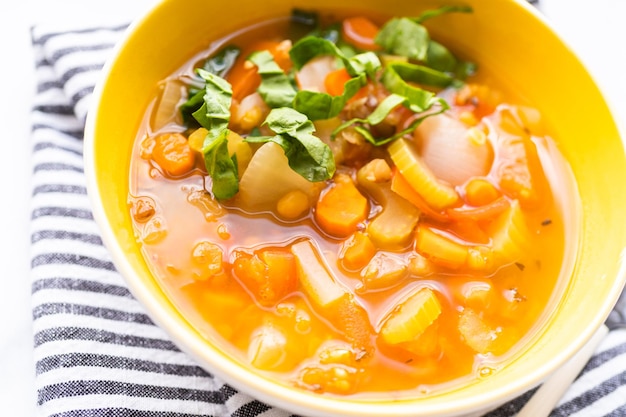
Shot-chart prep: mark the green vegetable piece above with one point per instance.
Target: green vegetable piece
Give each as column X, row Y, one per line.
column 438, row 57
column 311, row 47
column 214, row 115
column 306, row 153
column 320, row 106
column 429, row 14
column 223, row 61
column 317, row 105
column 397, row 76
column 403, row 36
column 381, row 112
column 276, row 88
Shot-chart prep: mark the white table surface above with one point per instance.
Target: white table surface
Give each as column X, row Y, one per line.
column 595, row 30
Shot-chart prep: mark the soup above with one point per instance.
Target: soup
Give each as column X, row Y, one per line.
column 349, row 212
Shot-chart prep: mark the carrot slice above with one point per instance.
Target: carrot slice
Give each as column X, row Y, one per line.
column 360, row 32
column 335, row 81
column 341, row 208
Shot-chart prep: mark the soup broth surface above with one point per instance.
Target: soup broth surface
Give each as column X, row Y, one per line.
column 297, row 283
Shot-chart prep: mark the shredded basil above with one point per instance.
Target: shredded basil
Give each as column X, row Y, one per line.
column 214, row 115
column 403, row 36
column 307, row 154
column 381, row 112
column 276, row 88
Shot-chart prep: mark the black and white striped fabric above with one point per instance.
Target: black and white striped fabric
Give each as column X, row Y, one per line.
column 96, row 351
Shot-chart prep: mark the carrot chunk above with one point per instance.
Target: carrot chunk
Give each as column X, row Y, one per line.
column 173, row 154
column 341, row 208
column 357, row 251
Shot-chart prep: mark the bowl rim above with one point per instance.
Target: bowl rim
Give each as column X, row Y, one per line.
column 267, row 390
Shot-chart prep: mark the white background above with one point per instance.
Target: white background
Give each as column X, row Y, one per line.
column 594, row 29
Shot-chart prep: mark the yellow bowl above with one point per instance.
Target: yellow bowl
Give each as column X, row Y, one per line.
column 507, row 36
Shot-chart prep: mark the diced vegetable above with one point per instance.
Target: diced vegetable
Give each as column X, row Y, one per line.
column 341, row 208
column 410, row 318
column 167, row 106
column 312, row 75
column 357, row 251
column 510, row 235
column 436, row 193
column 268, row 178
column 440, row 249
column 401, row 186
column 451, row 151
column 518, row 166
column 269, row 274
column 361, row 32
column 480, row 192
column 392, row 228
column 383, row 271
column 476, row 333
column 240, row 150
column 173, row 154
column 244, row 77
column 314, row 276
column 209, row 256
column 268, row 347
column 293, row 205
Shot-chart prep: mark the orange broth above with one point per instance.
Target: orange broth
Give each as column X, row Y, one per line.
column 482, row 313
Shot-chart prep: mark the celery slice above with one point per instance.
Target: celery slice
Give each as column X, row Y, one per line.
column 437, row 194
column 510, row 235
column 313, row 275
column 411, row 317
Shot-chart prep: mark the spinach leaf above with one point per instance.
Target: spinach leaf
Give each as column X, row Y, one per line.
column 311, row 47
column 275, row 88
column 404, row 37
column 214, row 115
column 380, row 113
column 397, row 76
column 319, row 106
column 223, row 61
column 307, row 154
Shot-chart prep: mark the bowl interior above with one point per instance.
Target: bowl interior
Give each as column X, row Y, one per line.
column 504, row 35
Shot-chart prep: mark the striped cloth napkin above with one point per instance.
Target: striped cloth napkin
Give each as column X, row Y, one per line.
column 97, row 353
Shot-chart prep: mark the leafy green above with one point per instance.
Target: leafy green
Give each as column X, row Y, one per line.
column 409, row 38
column 381, row 112
column 214, row 115
column 307, row 154
column 220, row 63
column 398, row 75
column 276, row 88
column 319, row 106
column 429, row 14
column 312, row 47
column 403, row 36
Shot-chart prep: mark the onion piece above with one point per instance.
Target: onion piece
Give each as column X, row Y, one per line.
column 167, row 106
column 452, row 151
column 312, row 75
column 269, row 177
